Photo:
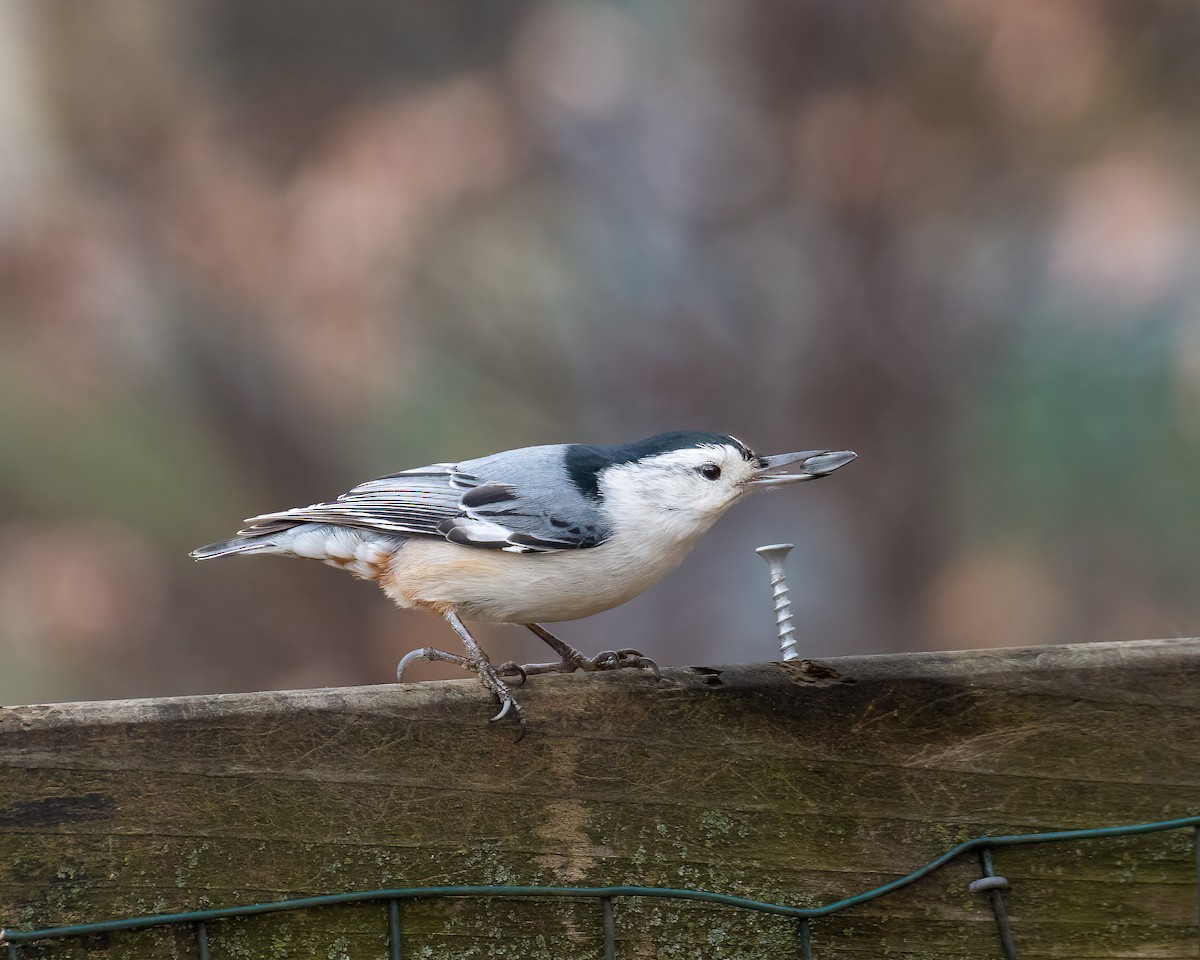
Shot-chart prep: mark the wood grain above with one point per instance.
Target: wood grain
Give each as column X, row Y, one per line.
column 767, row 781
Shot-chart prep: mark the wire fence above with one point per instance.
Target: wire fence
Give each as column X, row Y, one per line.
column 989, row 883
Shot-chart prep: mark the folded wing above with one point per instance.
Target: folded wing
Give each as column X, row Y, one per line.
column 445, row 501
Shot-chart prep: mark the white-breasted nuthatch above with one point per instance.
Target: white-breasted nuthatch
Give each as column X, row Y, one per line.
column 556, row 532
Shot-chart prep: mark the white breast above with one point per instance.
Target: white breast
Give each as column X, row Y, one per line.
column 525, row 588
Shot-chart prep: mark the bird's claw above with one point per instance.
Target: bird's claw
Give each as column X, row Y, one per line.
column 490, row 678
column 430, row 655
column 622, row 659
column 407, row 659
column 509, row 705
column 510, row 668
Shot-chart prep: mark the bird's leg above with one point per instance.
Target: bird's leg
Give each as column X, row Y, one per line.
column 572, row 660
column 477, row 660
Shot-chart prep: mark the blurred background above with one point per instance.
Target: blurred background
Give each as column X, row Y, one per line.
column 252, row 254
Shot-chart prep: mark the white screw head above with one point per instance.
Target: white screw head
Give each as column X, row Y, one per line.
column 773, row 551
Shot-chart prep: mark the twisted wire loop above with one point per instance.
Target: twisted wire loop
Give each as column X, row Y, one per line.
column 994, row 887
column 991, row 884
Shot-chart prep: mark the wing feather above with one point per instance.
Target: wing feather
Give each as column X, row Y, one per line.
column 443, row 501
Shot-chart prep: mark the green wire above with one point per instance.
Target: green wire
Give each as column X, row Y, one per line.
column 422, row 893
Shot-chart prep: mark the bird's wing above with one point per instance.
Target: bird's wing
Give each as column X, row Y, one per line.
column 445, row 501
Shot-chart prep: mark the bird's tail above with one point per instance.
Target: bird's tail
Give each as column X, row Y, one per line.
column 234, row 545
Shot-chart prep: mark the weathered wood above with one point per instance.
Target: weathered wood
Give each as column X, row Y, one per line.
column 762, row 781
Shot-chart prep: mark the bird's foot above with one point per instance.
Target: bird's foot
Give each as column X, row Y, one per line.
column 625, row 658
column 488, row 676
column 572, row 660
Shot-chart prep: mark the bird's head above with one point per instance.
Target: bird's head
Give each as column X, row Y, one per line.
column 684, row 481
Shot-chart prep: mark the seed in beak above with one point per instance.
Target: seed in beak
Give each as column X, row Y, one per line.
column 809, row 465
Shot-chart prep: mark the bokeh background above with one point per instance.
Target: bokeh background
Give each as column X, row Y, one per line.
column 253, row 253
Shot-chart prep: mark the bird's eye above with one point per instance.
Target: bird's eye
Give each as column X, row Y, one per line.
column 710, row 471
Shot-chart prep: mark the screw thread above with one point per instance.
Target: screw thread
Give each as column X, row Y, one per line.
column 774, row 555
column 783, row 615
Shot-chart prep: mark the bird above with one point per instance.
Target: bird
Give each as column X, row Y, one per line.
column 537, row 534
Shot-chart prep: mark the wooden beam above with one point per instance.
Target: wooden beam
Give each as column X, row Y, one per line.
column 772, row 781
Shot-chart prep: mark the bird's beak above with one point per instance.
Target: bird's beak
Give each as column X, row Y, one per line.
column 809, row 464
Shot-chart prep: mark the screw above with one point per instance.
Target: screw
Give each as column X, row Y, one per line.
column 774, row 554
